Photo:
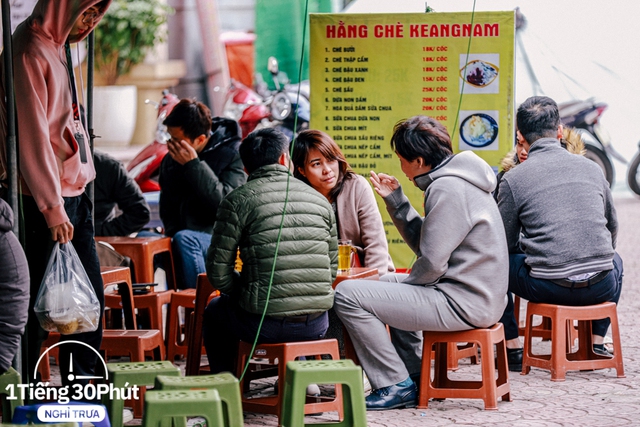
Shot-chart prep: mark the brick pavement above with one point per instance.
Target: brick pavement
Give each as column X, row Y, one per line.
column 596, row 398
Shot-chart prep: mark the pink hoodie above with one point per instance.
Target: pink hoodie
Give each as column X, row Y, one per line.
column 49, row 158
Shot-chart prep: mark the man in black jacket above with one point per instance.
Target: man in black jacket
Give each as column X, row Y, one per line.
column 114, row 187
column 203, row 166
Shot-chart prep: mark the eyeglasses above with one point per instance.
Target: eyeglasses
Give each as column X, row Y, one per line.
column 90, row 17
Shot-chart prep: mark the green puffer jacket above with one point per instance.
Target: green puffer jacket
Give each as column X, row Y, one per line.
column 249, row 218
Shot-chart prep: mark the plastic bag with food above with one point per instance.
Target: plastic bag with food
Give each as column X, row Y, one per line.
column 66, row 301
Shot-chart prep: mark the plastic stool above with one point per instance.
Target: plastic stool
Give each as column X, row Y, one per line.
column 176, row 346
column 135, row 373
column 561, row 358
column 543, row 330
column 142, row 250
column 304, row 372
column 226, row 384
column 285, row 352
column 442, row 387
column 181, row 403
column 44, row 368
column 455, row 352
column 11, row 377
column 28, row 414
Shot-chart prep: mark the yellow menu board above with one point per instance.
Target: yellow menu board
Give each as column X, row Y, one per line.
column 369, row 71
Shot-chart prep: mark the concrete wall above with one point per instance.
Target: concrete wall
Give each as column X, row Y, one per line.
column 185, row 41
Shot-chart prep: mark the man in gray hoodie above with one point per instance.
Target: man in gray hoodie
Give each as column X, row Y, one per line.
column 459, row 279
column 560, row 224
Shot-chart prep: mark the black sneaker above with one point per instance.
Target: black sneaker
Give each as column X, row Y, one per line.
column 514, row 359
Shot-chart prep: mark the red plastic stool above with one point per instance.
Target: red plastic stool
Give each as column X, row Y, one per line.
column 442, row 387
column 44, row 367
column 543, row 330
column 176, row 345
column 456, row 351
column 141, row 250
column 561, row 358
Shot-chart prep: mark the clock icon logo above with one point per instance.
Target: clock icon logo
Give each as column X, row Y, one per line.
column 72, row 376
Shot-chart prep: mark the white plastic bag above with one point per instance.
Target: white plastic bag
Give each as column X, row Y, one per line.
column 66, row 301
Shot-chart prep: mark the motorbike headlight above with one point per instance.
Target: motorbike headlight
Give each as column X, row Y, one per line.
column 232, row 110
column 162, row 136
column 280, row 106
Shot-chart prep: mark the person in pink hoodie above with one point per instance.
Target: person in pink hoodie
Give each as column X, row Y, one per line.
column 54, row 159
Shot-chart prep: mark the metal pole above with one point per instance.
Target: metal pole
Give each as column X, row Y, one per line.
column 90, row 60
column 12, row 153
column 12, row 157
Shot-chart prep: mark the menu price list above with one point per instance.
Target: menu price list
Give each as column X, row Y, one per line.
column 352, row 116
column 434, row 81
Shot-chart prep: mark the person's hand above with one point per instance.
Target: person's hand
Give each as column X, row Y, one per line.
column 384, row 184
column 181, row 151
column 62, row 233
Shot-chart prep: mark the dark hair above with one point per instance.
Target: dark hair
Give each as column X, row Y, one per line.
column 422, row 136
column 538, row 117
column 193, row 117
column 310, row 139
column 102, row 5
column 263, row 147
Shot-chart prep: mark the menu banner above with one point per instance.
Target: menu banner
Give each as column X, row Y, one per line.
column 370, row 71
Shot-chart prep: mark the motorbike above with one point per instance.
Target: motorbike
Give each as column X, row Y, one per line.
column 584, row 115
column 633, row 173
column 144, row 168
column 286, row 108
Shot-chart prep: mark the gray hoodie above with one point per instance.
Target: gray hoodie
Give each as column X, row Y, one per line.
column 460, row 243
column 14, row 289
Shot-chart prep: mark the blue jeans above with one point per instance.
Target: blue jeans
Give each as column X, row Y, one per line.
column 545, row 291
column 189, row 251
column 225, row 324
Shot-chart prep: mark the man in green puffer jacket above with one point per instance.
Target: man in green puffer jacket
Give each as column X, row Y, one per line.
column 286, row 234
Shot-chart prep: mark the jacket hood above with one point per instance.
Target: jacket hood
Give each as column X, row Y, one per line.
column 466, row 165
column 224, row 131
column 571, row 140
column 6, row 217
column 54, row 19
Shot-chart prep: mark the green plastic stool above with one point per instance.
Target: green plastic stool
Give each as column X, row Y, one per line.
column 226, row 384
column 8, row 406
column 301, row 373
column 159, row 405
column 134, row 373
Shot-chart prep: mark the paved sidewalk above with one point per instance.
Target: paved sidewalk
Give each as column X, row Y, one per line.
column 596, row 398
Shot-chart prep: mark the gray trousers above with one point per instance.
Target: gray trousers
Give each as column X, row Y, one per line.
column 367, row 306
